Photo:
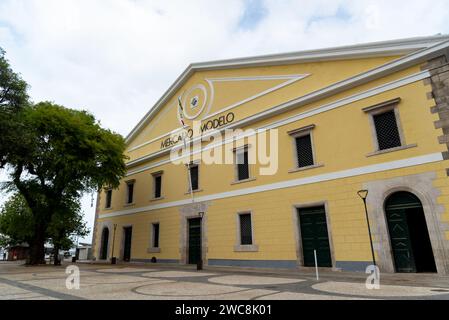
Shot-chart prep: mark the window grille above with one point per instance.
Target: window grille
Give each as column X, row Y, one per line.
column 304, row 151
column 242, row 165
column 156, row 235
column 130, row 193
column 157, row 186
column 246, row 237
column 387, row 130
column 108, row 198
column 194, row 177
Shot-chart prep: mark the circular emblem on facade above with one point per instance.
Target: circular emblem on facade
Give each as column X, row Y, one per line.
column 194, row 102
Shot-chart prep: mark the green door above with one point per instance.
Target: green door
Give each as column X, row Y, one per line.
column 400, row 240
column 194, row 240
column 104, row 244
column 409, row 237
column 313, row 226
column 127, row 245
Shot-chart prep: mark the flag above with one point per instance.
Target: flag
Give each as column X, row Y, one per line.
column 181, row 112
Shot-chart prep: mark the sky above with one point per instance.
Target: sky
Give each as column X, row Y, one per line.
column 116, row 58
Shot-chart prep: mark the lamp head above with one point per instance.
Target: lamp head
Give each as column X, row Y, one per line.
column 363, row 194
column 201, row 214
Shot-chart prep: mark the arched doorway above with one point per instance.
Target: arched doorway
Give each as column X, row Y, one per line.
column 409, row 235
column 104, row 244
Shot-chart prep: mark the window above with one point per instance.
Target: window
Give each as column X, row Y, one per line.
column 155, row 243
column 194, row 175
column 129, row 192
column 157, row 185
column 303, row 146
column 242, row 164
column 154, row 238
column 245, row 241
column 386, row 127
column 246, row 234
column 108, row 198
column 387, row 130
column 304, row 151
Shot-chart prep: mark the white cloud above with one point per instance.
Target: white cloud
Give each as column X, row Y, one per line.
column 117, row 57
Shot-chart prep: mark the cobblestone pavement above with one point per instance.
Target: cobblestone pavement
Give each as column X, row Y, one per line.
column 160, row 282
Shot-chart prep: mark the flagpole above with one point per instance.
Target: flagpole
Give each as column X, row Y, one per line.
column 184, row 136
column 190, row 174
column 199, row 264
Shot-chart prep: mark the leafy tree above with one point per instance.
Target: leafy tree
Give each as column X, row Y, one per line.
column 66, row 223
column 65, row 153
column 54, row 154
column 16, row 222
column 13, row 98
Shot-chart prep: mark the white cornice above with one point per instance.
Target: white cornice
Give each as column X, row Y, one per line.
column 373, row 49
column 385, row 166
column 385, row 48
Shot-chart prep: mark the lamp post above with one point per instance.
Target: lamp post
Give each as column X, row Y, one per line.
column 199, row 263
column 363, row 194
column 76, row 249
column 113, row 259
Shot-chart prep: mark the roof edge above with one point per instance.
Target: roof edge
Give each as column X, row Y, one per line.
column 365, row 50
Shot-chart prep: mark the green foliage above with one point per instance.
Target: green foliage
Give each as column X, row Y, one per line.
column 70, row 152
column 13, row 89
column 66, row 223
column 16, row 222
column 64, row 153
column 13, row 98
column 54, row 155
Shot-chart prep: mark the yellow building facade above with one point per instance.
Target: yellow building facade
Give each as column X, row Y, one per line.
column 333, row 122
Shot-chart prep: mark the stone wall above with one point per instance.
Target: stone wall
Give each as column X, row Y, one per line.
column 439, row 81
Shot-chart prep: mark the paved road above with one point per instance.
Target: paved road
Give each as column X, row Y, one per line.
column 159, row 282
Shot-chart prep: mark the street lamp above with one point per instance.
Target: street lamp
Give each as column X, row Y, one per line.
column 113, row 259
column 199, row 263
column 363, row 194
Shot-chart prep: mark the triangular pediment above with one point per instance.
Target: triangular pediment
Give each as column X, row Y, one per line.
column 245, row 87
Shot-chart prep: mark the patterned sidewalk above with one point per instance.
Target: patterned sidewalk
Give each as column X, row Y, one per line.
column 162, row 282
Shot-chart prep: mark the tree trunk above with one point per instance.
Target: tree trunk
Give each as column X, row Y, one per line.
column 37, row 248
column 57, row 262
column 37, row 252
